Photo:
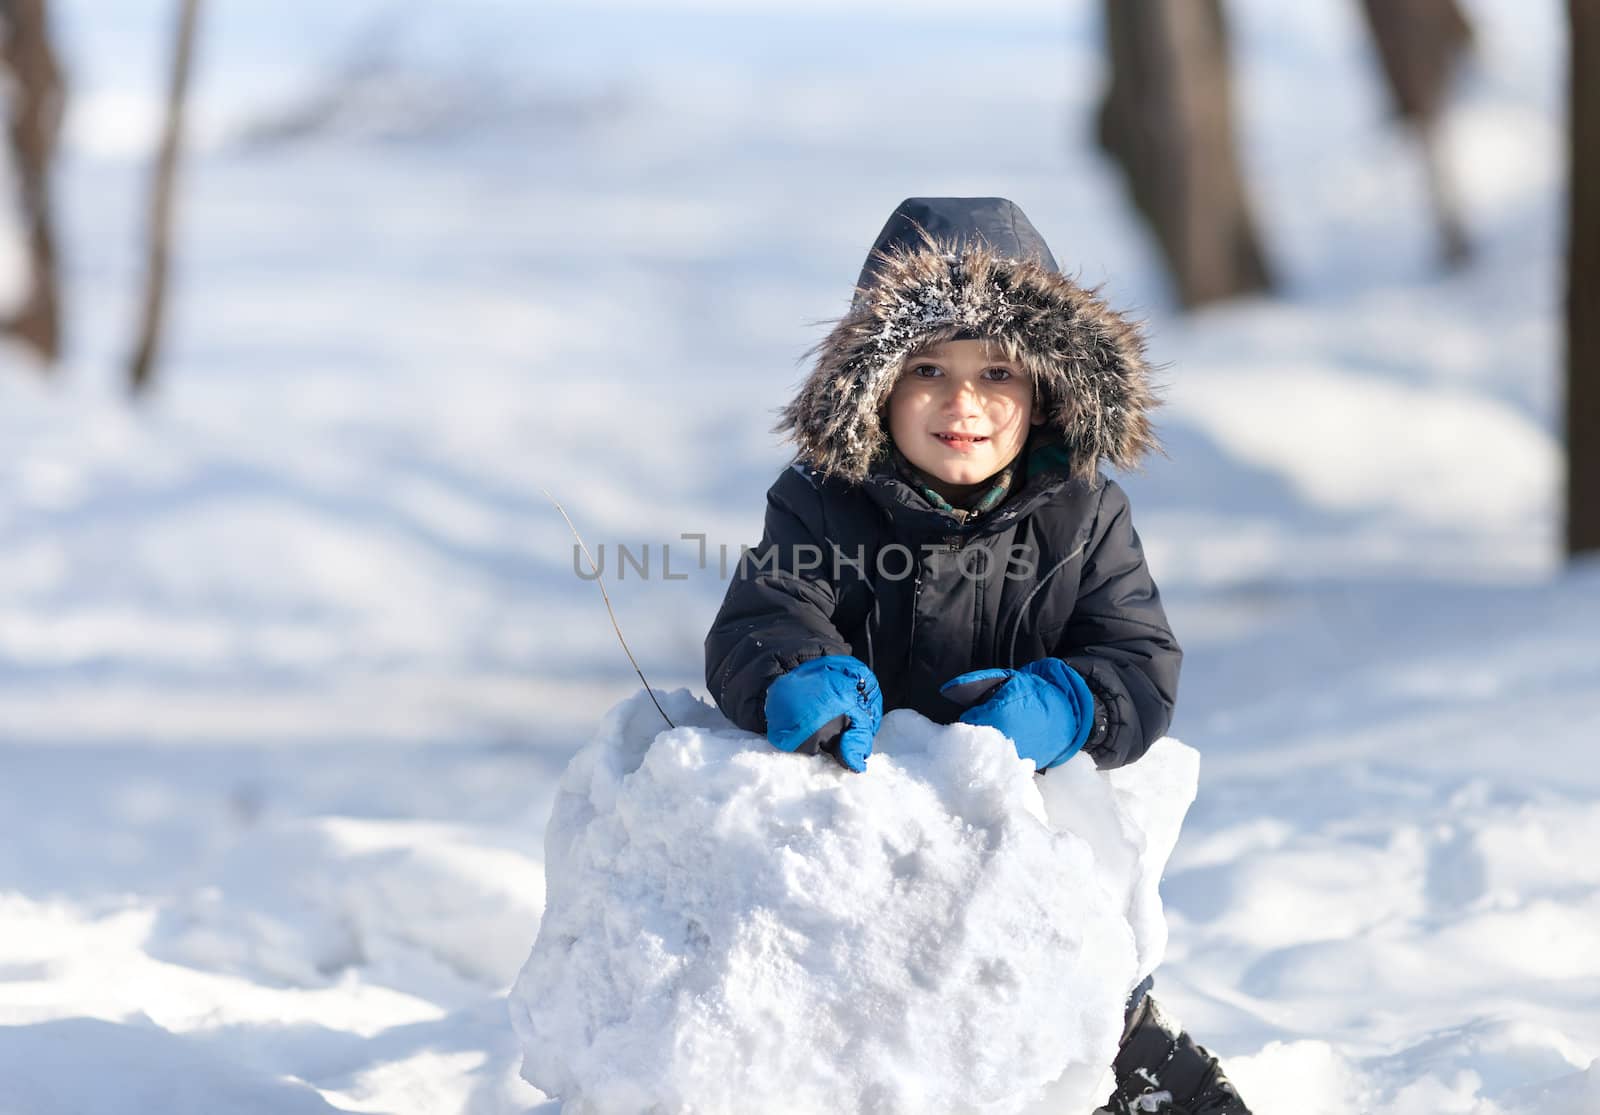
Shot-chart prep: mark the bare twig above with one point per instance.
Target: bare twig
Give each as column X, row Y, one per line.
column 599, row 580
column 141, row 368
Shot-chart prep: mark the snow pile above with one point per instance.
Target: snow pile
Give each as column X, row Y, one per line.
column 729, row 928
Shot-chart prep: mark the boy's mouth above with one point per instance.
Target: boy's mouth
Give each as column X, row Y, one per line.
column 961, row 441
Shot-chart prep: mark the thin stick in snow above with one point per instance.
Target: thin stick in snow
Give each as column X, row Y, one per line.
column 599, row 580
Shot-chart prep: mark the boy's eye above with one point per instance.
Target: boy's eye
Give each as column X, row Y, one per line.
column 926, row 371
column 998, row 375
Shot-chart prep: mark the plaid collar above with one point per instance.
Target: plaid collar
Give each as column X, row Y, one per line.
column 985, row 500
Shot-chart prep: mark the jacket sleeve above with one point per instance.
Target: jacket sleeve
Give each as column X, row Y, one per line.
column 1120, row 641
column 778, row 608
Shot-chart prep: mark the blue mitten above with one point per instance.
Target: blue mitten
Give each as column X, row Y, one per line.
column 1045, row 708
column 826, row 704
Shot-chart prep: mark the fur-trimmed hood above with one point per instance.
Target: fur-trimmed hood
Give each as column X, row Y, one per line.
column 944, row 268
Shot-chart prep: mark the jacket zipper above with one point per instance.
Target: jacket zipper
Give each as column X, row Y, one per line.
column 916, row 597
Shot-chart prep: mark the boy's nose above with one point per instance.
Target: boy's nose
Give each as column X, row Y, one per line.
column 963, row 398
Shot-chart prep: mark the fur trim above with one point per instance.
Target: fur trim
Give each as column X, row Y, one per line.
column 1086, row 359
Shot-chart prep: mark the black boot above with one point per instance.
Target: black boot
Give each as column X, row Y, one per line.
column 1160, row 1069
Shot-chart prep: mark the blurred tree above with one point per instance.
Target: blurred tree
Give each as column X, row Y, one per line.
column 36, row 95
column 1167, row 120
column 1583, row 282
column 141, row 371
column 1419, row 44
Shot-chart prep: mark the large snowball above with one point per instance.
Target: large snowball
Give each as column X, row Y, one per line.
column 732, row 929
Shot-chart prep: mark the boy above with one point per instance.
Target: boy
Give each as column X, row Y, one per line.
column 945, row 541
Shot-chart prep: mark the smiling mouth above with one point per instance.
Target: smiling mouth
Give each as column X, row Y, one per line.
column 961, row 439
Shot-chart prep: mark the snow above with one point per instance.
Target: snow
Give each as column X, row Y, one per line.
column 734, row 929
column 292, row 660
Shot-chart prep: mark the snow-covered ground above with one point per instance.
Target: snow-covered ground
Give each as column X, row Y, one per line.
column 291, row 661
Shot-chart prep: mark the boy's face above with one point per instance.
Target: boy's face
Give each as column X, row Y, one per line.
column 960, row 411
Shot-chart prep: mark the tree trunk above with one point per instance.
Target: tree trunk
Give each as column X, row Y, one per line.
column 36, row 100
column 1583, row 283
column 1167, row 120
column 142, row 368
column 1419, row 45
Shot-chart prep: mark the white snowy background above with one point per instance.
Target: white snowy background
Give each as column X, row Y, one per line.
column 291, row 660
